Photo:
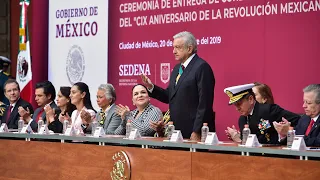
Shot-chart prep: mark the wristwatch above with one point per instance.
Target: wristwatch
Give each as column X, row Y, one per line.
column 84, row 126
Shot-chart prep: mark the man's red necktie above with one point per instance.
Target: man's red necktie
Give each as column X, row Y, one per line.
column 309, row 127
column 39, row 114
column 8, row 114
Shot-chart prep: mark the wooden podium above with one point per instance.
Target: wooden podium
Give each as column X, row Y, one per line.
column 44, row 160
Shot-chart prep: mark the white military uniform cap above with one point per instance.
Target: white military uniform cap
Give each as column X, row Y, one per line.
column 235, row 93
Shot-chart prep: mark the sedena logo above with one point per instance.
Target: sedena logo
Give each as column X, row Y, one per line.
column 134, row 69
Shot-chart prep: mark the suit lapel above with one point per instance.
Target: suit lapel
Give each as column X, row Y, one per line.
column 107, row 121
column 255, row 118
column 14, row 112
column 183, row 76
column 315, row 126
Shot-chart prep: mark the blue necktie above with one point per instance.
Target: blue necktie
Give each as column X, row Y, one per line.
column 181, row 69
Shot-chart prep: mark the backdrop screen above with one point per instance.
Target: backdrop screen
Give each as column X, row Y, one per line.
column 276, row 42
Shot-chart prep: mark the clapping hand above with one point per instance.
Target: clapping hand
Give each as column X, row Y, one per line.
column 49, row 113
column 282, row 127
column 122, row 111
column 86, row 117
column 25, row 114
column 233, row 134
column 63, row 117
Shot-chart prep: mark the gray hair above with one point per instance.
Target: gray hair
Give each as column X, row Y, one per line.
column 314, row 88
column 109, row 90
column 189, row 40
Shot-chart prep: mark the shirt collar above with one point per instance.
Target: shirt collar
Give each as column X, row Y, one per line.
column 316, row 118
column 108, row 108
column 14, row 104
column 251, row 112
column 185, row 64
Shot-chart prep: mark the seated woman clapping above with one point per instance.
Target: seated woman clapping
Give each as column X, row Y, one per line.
column 142, row 116
column 107, row 116
column 54, row 120
column 84, row 114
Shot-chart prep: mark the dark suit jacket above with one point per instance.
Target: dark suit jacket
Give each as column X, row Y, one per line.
column 14, row 116
column 191, row 100
column 56, row 126
column 313, row 138
column 271, row 112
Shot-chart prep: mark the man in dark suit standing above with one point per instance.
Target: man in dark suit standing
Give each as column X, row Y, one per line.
column 259, row 117
column 309, row 124
column 191, row 89
column 11, row 115
column 45, row 94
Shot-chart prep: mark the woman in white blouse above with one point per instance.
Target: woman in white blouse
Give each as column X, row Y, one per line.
column 84, row 114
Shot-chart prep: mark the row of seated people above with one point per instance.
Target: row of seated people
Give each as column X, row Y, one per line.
column 254, row 102
column 269, row 121
column 74, row 104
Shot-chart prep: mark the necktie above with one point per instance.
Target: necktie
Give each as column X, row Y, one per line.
column 309, row 127
column 181, row 69
column 39, row 114
column 102, row 116
column 9, row 113
column 248, row 118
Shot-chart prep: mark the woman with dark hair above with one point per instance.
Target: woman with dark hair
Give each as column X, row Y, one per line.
column 84, row 113
column 143, row 116
column 64, row 104
column 263, row 93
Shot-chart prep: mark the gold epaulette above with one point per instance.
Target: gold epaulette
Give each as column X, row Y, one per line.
column 5, row 73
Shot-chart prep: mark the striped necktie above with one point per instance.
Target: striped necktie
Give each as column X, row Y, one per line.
column 181, row 69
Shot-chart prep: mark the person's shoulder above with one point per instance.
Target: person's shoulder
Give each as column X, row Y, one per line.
column 53, row 104
column 23, row 102
column 200, row 62
column 4, row 75
column 91, row 111
column 242, row 119
column 152, row 108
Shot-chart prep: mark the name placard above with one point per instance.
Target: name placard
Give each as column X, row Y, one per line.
column 99, row 132
column 69, row 131
column 252, row 141
column 44, row 129
column 212, row 139
column 176, row 136
column 4, row 128
column 134, row 134
column 298, row 143
column 27, row 129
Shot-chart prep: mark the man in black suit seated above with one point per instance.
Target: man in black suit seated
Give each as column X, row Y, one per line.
column 11, row 115
column 259, row 117
column 309, row 123
column 190, row 91
column 45, row 94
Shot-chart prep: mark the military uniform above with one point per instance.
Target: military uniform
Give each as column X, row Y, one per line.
column 261, row 117
column 4, row 76
column 260, row 122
